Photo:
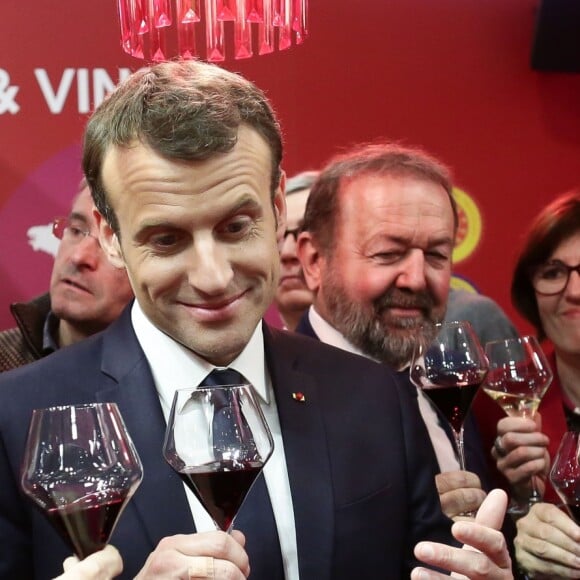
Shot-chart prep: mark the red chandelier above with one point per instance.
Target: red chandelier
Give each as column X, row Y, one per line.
column 156, row 30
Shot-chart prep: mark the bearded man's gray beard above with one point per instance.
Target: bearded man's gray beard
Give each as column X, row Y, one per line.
column 387, row 339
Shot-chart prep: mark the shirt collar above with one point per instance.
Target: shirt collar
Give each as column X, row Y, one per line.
column 49, row 332
column 174, row 366
column 328, row 334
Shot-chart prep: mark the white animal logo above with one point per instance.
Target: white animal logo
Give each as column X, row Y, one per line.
column 42, row 239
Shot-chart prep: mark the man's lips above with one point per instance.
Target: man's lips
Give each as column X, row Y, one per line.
column 405, row 311
column 292, row 281
column 216, row 310
column 75, row 284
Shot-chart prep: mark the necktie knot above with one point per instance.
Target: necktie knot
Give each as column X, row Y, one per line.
column 221, row 377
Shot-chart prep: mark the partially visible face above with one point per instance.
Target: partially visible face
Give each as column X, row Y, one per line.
column 199, row 241
column 292, row 294
column 560, row 314
column 390, row 270
column 86, row 290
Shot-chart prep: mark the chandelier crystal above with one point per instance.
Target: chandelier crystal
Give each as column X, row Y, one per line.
column 157, row 30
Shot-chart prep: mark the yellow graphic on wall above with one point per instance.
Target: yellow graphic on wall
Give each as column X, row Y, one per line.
column 469, row 230
column 460, row 283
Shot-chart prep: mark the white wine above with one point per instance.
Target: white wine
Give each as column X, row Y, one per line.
column 515, row 404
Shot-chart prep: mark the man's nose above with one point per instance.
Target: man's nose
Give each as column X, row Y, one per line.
column 211, row 271
column 412, row 271
column 288, row 247
column 87, row 252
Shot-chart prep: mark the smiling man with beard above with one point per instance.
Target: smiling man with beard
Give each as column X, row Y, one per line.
column 376, row 247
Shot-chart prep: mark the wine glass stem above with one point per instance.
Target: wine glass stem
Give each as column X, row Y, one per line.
column 460, row 448
column 535, row 496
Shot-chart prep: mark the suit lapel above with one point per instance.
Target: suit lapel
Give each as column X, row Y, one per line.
column 307, row 457
column 160, row 502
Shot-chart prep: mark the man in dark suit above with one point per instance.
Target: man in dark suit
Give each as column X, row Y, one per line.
column 183, row 161
column 375, row 248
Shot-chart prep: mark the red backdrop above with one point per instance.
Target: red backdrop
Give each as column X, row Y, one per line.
column 452, row 76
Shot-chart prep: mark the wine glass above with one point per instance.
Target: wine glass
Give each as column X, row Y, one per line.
column 80, row 468
column 519, row 375
column 218, row 440
column 565, row 473
column 449, row 369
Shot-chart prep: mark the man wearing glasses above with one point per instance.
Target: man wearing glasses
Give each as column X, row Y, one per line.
column 86, row 292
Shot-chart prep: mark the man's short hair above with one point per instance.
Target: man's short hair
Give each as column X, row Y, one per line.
column 182, row 110
column 367, row 159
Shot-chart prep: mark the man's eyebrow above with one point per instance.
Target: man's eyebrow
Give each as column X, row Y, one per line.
column 75, row 215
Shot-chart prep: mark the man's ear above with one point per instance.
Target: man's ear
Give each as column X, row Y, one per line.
column 280, row 208
column 310, row 259
column 109, row 241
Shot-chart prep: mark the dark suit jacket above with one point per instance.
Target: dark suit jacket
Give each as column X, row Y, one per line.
column 475, row 456
column 362, row 484
column 474, row 453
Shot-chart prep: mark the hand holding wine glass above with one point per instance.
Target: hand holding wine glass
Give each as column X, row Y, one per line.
column 80, row 468
column 519, row 375
column 450, row 370
column 565, row 473
column 218, row 440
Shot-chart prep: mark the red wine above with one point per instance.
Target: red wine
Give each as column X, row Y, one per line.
column 222, row 486
column 453, row 393
column 87, row 524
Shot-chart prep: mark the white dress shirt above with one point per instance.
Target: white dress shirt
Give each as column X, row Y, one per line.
column 444, row 450
column 175, row 367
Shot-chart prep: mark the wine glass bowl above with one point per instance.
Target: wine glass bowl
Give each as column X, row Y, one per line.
column 565, row 473
column 449, row 369
column 218, row 440
column 519, row 375
column 80, row 469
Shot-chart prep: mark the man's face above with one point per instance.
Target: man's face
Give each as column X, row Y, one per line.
column 86, row 290
column 199, row 241
column 389, row 273
column 292, row 294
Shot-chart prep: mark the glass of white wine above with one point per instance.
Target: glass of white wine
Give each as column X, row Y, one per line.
column 518, row 377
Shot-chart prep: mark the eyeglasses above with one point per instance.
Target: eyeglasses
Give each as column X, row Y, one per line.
column 295, row 232
column 553, row 277
column 74, row 231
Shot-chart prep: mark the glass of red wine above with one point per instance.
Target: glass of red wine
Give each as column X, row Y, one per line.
column 519, row 376
column 565, row 473
column 450, row 369
column 218, row 440
column 80, row 469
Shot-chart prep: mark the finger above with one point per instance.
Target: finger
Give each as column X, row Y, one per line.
column 202, row 567
column 535, row 566
column 452, row 480
column 516, row 425
column 104, row 564
column 492, row 510
column 477, row 538
column 425, row 574
column 565, row 553
column 461, row 501
column 69, row 563
column 473, row 565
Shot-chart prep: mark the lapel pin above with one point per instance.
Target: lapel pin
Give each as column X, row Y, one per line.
column 299, row 397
